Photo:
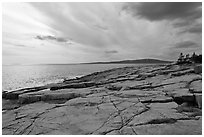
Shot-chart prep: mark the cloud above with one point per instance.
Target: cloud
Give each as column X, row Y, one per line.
column 82, row 21
column 182, row 24
column 111, row 52
column 126, row 34
column 20, row 45
column 194, row 29
column 58, row 39
column 156, row 11
column 186, row 44
column 101, row 27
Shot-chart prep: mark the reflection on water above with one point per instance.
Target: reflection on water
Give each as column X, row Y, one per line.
column 14, row 77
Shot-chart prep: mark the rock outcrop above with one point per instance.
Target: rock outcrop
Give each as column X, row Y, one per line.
column 198, row 69
column 143, row 100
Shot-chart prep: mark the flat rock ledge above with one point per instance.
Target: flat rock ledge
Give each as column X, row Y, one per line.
column 142, row 100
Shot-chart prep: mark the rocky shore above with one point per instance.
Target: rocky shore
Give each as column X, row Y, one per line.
column 151, row 99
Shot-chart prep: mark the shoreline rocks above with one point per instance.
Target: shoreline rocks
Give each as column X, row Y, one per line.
column 198, row 69
column 152, row 99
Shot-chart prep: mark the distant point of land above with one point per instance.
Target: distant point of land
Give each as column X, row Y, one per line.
column 138, row 61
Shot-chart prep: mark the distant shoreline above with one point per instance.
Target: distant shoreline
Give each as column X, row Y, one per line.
column 138, row 61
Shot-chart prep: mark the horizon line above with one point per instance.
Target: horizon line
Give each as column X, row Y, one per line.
column 95, row 62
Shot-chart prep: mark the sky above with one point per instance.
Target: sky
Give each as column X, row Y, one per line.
column 61, row 33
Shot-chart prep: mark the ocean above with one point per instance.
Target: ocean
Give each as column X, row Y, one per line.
column 22, row 76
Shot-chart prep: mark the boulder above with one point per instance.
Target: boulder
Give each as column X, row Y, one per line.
column 74, row 85
column 59, row 96
column 47, row 95
column 180, row 73
column 15, row 93
column 198, row 69
column 10, row 95
column 4, row 93
column 182, row 95
column 114, row 87
column 196, row 86
column 146, row 75
column 198, row 98
column 29, row 98
column 182, row 127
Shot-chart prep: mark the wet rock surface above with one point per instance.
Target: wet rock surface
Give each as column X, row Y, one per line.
column 154, row 99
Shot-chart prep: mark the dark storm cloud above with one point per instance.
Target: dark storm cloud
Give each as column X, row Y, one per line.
column 111, row 52
column 156, row 11
column 186, row 44
column 58, row 39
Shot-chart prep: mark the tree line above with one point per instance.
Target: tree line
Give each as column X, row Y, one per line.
column 183, row 59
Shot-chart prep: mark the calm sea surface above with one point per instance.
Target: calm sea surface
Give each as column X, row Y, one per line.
column 14, row 77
